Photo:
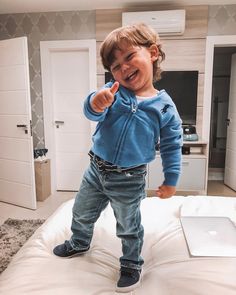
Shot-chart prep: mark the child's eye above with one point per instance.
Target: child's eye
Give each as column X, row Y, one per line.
column 115, row 68
column 129, row 56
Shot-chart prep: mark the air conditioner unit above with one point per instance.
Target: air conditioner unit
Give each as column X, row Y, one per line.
column 166, row 22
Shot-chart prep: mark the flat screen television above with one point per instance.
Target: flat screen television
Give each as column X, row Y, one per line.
column 182, row 87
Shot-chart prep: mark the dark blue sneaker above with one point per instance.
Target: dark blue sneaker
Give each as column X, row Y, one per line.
column 129, row 280
column 66, row 251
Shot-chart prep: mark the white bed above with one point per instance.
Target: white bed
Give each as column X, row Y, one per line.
column 168, row 268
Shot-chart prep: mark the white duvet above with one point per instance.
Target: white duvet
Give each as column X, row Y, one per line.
column 168, row 267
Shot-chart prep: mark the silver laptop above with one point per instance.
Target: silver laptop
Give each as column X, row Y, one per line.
column 209, row 236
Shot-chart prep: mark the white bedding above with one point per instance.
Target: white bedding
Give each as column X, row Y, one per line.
column 168, row 268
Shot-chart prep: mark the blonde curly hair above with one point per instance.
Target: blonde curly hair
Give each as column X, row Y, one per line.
column 135, row 35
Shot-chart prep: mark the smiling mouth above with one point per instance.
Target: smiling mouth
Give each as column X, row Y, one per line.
column 131, row 76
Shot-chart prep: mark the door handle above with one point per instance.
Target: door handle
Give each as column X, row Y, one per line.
column 228, row 121
column 185, row 163
column 58, row 123
column 23, row 126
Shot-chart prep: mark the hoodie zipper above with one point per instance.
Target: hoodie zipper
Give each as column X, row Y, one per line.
column 134, row 107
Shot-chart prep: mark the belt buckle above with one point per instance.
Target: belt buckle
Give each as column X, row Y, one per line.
column 100, row 164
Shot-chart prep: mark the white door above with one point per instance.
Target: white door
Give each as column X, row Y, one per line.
column 230, row 161
column 68, row 75
column 17, row 180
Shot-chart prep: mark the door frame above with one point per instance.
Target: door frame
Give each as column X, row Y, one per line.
column 211, row 43
column 46, row 48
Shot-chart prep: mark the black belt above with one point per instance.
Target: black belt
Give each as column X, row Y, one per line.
column 107, row 166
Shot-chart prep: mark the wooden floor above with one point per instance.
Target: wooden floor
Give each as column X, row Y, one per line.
column 218, row 188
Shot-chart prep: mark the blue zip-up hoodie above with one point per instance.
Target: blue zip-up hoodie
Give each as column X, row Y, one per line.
column 128, row 133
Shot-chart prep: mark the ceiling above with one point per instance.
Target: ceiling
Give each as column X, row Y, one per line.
column 16, row 6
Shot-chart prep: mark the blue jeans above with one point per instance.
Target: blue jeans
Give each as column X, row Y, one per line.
column 124, row 190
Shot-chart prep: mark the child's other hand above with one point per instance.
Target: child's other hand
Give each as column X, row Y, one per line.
column 104, row 98
column 165, row 191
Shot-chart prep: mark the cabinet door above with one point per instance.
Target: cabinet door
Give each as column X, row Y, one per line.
column 192, row 176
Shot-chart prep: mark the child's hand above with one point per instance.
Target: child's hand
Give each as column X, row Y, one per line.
column 104, row 98
column 165, row 191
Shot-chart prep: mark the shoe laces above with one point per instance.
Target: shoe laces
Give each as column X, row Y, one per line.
column 68, row 246
column 129, row 272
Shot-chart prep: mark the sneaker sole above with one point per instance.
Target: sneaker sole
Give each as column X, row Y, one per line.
column 73, row 255
column 128, row 289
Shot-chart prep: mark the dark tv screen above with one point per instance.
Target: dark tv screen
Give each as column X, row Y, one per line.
column 182, row 87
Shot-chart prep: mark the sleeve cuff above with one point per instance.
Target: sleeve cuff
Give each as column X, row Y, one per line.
column 171, row 179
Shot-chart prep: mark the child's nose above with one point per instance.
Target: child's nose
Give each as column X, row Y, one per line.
column 124, row 67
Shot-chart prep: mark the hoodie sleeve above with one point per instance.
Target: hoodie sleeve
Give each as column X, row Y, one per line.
column 171, row 141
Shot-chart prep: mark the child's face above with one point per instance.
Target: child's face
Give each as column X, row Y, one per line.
column 133, row 68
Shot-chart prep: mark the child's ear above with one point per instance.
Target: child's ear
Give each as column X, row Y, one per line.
column 154, row 51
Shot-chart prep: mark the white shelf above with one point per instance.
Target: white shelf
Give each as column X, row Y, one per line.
column 198, row 142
